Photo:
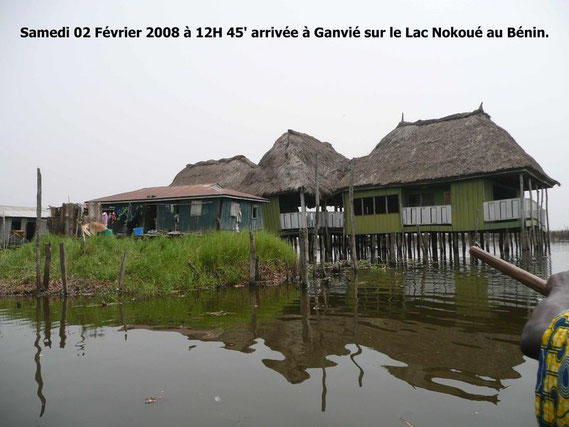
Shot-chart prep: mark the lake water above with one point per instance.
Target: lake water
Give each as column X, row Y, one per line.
column 391, row 347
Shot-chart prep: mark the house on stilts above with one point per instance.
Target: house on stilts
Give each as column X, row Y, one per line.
column 286, row 176
column 430, row 183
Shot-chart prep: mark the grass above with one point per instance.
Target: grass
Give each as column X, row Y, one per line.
column 154, row 266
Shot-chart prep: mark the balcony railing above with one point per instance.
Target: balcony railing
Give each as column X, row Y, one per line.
column 292, row 221
column 509, row 209
column 427, row 215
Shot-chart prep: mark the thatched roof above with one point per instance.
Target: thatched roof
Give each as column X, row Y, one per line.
column 457, row 146
column 289, row 166
column 227, row 172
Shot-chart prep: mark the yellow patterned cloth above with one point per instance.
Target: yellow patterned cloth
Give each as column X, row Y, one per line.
column 552, row 387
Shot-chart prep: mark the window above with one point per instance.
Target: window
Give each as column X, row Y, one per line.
column 16, row 224
column 414, row 200
column 380, row 205
column 446, row 198
column 357, row 206
column 368, row 205
column 254, row 212
column 501, row 193
column 393, row 203
column 427, row 199
column 196, row 208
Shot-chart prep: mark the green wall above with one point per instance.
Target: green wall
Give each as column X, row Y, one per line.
column 188, row 223
column 373, row 224
column 271, row 215
column 467, row 199
column 467, row 206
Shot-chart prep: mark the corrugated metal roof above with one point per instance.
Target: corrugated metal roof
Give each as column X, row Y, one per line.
column 21, row 212
column 178, row 192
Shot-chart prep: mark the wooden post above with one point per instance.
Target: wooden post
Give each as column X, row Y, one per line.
column 328, row 245
column 523, row 235
column 122, row 271
column 532, row 229
column 353, row 221
column 316, row 214
column 4, row 236
column 47, row 267
column 38, row 224
column 434, row 246
column 547, row 220
column 542, row 238
column 252, row 259
column 303, row 262
column 63, row 263
column 304, row 225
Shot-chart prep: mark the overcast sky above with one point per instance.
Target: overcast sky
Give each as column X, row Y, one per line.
column 103, row 116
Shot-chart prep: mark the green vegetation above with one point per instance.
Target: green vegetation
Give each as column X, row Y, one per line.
column 154, row 266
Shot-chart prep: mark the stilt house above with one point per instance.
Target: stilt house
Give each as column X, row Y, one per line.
column 287, row 171
column 461, row 173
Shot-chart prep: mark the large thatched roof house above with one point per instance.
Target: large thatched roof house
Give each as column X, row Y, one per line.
column 453, row 147
column 457, row 173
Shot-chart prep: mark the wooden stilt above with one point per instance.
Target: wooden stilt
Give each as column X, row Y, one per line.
column 47, row 266
column 38, row 227
column 352, row 220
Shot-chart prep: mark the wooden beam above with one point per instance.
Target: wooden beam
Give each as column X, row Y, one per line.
column 523, row 235
column 353, row 221
column 547, row 219
column 316, row 213
column 38, row 224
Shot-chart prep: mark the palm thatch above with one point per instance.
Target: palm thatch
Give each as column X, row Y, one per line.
column 225, row 172
column 457, row 146
column 290, row 166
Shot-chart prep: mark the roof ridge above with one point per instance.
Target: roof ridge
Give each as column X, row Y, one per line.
column 457, row 116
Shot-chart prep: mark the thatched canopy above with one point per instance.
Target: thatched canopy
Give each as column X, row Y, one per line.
column 457, row 146
column 226, row 172
column 289, row 166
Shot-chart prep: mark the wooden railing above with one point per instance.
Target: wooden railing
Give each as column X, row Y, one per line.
column 427, row 215
column 292, row 221
column 509, row 209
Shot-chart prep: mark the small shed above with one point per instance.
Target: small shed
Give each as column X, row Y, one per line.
column 20, row 222
column 184, row 208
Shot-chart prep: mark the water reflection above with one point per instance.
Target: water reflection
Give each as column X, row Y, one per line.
column 452, row 330
column 62, row 323
column 37, row 355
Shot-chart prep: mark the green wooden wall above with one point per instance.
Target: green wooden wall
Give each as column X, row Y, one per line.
column 373, row 224
column 467, row 199
column 467, row 206
column 271, row 216
column 188, row 223
column 228, row 222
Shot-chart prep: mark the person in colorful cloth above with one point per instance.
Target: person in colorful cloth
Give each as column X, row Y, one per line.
column 546, row 337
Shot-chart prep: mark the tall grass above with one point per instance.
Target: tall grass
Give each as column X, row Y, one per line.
column 154, row 266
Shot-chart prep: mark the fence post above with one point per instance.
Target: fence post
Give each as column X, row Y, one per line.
column 122, row 271
column 252, row 260
column 38, row 224
column 354, row 254
column 63, row 261
column 47, row 266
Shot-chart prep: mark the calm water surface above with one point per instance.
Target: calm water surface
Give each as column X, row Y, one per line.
column 413, row 346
